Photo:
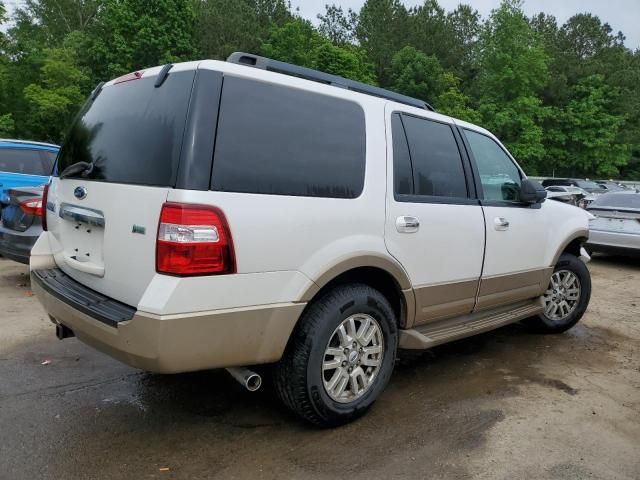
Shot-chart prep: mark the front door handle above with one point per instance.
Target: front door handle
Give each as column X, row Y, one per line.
column 406, row 224
column 501, row 223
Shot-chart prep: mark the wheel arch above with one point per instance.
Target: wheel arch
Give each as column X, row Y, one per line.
column 571, row 244
column 383, row 274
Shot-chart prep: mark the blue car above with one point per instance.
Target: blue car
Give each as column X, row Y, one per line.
column 24, row 164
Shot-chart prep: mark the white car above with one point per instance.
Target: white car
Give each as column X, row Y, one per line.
column 615, row 227
column 230, row 214
column 573, row 195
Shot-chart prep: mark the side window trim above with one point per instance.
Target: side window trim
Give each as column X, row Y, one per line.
column 405, row 142
column 472, row 197
column 476, row 173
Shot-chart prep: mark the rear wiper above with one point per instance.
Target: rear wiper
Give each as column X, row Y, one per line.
column 76, row 169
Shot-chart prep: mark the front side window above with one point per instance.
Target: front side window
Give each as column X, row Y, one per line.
column 499, row 176
column 435, row 158
column 283, row 141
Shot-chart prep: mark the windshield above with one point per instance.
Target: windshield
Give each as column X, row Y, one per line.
column 132, row 132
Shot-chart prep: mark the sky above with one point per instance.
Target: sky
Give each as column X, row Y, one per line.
column 621, row 15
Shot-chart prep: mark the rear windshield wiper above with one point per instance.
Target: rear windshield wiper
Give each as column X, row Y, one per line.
column 76, row 169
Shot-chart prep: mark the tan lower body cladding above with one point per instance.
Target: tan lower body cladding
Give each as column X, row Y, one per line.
column 437, row 302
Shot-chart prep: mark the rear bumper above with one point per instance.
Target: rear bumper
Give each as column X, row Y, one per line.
column 17, row 245
column 605, row 240
column 174, row 343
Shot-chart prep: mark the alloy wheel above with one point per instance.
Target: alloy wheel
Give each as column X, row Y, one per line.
column 562, row 295
column 353, row 358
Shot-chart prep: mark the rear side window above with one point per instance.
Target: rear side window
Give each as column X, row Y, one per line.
column 283, row 141
column 25, row 161
column 132, row 132
column 436, row 160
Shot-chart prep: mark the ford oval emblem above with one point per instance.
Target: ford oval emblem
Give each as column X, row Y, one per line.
column 80, row 193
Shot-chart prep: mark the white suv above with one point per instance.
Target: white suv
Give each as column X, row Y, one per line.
column 229, row 214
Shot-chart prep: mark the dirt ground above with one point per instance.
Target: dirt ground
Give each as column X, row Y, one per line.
column 504, row 405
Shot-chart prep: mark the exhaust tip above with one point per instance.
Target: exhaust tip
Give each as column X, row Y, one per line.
column 247, row 378
column 253, row 382
column 63, row 332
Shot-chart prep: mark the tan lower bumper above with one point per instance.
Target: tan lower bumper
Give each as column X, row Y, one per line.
column 182, row 343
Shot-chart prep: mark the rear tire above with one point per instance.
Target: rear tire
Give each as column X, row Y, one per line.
column 567, row 297
column 348, row 335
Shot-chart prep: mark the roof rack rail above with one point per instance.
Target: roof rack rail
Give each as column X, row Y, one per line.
column 277, row 66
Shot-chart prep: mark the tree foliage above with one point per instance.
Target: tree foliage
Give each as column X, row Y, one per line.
column 300, row 43
column 565, row 98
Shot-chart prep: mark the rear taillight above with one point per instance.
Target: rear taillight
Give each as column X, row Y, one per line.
column 194, row 240
column 45, row 199
column 32, row 207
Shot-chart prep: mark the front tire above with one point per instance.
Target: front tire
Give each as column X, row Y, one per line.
column 340, row 356
column 566, row 298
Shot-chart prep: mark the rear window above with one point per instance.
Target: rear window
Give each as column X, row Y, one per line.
column 132, row 132
column 26, row 161
column 284, row 141
column 617, row 200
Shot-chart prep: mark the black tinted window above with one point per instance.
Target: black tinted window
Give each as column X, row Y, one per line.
column 25, row 161
column 132, row 132
column 277, row 140
column 402, row 173
column 499, row 176
column 437, row 165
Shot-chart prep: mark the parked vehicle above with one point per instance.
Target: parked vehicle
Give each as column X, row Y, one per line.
column 308, row 221
column 24, row 164
column 588, row 185
column 572, row 195
column 611, row 186
column 616, row 226
column 21, row 223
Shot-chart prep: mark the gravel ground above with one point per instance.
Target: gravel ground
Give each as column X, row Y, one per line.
column 503, row 405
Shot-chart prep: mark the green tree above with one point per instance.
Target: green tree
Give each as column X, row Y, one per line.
column 56, row 98
column 453, row 102
column 514, row 68
column 583, row 136
column 226, row 26
column 7, row 124
column 58, row 18
column 421, row 76
column 134, row 34
column 337, row 25
column 381, row 31
column 416, row 74
column 463, row 54
column 299, row 43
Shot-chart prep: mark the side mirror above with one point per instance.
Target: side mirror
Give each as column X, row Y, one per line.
column 532, row 192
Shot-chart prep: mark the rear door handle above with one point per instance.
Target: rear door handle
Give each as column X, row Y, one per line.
column 407, row 224
column 501, row 223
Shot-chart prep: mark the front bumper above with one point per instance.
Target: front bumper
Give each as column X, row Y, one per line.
column 174, row 343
